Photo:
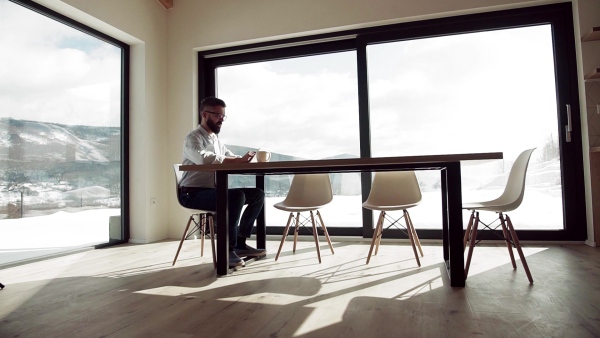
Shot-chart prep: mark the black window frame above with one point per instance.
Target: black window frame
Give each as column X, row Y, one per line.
column 125, row 70
column 559, row 16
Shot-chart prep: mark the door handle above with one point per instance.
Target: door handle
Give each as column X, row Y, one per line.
column 568, row 127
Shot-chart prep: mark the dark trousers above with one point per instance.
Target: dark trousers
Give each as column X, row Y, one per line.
column 206, row 199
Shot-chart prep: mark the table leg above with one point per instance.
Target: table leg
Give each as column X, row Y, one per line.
column 261, row 226
column 446, row 246
column 222, row 221
column 455, row 225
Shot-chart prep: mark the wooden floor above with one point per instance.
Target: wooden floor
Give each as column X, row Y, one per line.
column 132, row 291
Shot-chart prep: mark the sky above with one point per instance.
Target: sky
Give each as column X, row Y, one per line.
column 267, row 102
column 50, row 72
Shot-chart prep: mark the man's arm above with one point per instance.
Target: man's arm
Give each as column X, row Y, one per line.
column 200, row 151
column 246, row 158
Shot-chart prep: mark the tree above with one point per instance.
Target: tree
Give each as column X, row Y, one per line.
column 550, row 150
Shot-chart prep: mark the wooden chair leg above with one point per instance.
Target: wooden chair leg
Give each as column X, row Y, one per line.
column 378, row 240
column 202, row 227
column 296, row 230
column 518, row 245
column 325, row 232
column 468, row 231
column 375, row 235
column 414, row 232
column 507, row 239
column 211, row 229
column 285, row 233
column 315, row 235
column 183, row 238
column 472, row 244
column 411, row 237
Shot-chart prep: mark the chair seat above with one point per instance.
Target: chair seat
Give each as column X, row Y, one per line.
column 199, row 211
column 500, row 204
column 388, row 207
column 487, row 206
column 291, row 208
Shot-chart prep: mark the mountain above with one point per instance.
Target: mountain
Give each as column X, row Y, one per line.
column 33, row 141
column 340, row 156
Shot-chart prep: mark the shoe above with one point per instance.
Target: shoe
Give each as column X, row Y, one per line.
column 249, row 251
column 235, row 260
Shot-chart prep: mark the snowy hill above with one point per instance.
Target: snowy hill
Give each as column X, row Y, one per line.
column 37, row 141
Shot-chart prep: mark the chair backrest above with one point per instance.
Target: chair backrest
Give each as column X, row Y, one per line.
column 394, row 188
column 514, row 191
column 309, row 190
column 178, row 177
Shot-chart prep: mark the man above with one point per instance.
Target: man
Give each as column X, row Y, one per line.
column 202, row 146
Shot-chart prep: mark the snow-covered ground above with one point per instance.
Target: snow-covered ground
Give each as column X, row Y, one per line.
column 30, row 237
column 538, row 211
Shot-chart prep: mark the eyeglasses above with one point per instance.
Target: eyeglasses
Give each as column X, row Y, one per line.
column 219, row 115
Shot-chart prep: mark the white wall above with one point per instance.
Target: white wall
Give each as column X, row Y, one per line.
column 588, row 15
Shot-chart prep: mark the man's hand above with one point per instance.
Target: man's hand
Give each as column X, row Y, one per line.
column 246, row 158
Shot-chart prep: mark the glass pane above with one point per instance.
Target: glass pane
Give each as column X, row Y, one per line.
column 478, row 92
column 60, row 131
column 303, row 108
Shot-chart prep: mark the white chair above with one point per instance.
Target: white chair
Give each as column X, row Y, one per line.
column 510, row 200
column 204, row 217
column 308, row 192
column 391, row 191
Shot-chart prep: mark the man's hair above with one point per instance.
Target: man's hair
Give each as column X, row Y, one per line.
column 210, row 101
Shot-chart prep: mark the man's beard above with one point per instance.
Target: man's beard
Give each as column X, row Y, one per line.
column 215, row 127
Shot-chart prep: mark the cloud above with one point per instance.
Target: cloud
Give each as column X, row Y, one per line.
column 311, row 115
column 48, row 67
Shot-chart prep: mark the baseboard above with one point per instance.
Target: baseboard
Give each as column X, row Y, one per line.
column 423, row 241
column 45, row 257
column 591, row 243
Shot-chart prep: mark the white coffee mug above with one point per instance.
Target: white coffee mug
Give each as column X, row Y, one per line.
column 263, row 155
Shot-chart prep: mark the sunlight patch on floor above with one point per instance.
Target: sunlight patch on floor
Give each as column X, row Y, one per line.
column 268, row 299
column 488, row 257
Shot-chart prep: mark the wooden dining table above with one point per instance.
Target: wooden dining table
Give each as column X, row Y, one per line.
column 447, row 164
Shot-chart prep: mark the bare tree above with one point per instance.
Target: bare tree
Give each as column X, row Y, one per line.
column 550, row 149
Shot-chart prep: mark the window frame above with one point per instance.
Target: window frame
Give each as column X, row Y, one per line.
column 559, row 16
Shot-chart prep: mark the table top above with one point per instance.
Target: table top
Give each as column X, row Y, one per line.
column 345, row 165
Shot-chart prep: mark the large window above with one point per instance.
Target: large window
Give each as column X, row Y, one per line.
column 472, row 92
column 498, row 81
column 62, row 109
column 298, row 108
